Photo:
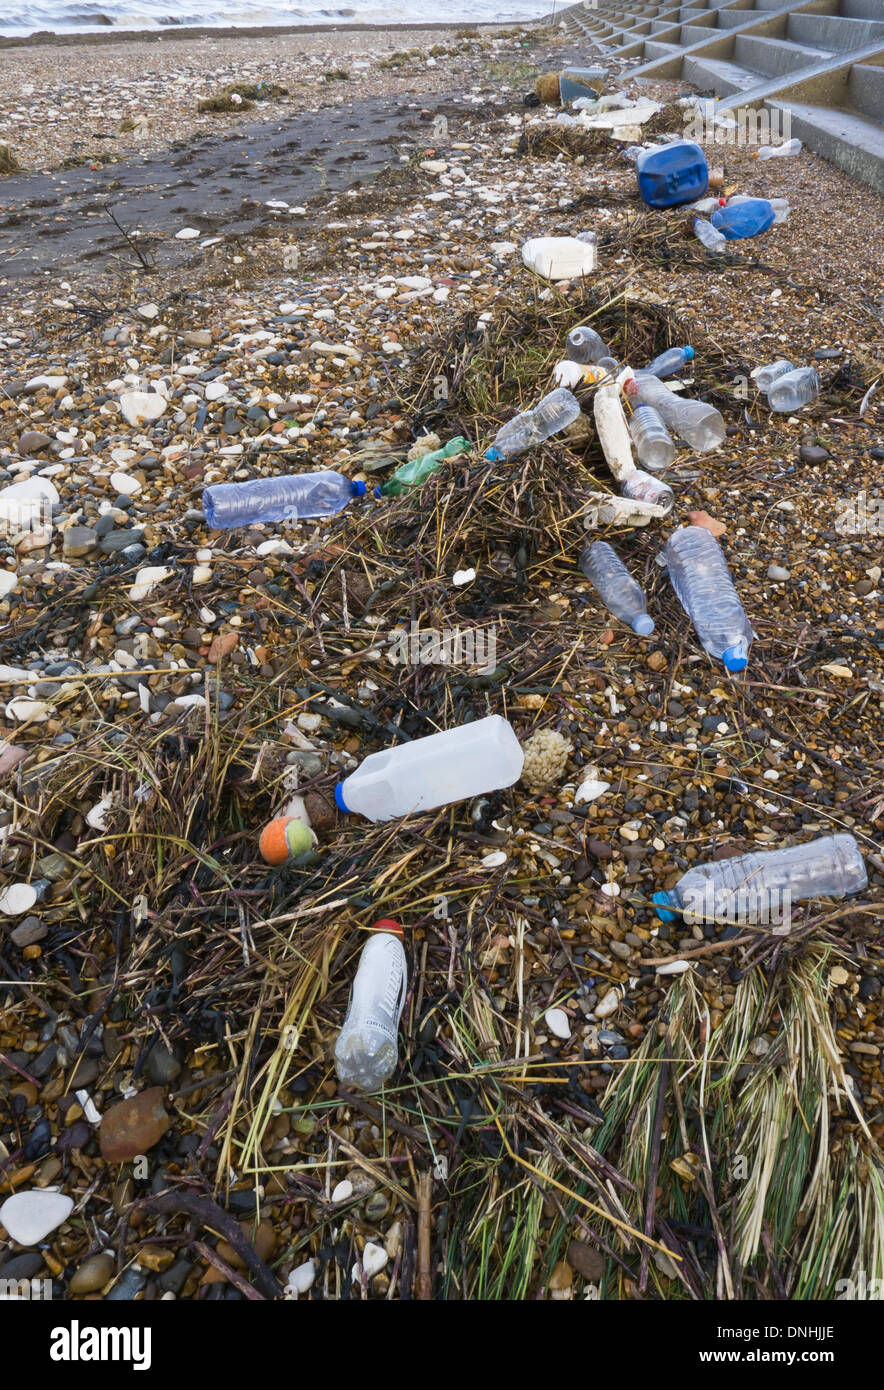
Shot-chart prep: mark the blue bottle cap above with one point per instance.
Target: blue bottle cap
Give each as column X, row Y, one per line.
column 493, row 455
column 643, row 625
column 378, row 492
column 735, row 658
column 339, row 799
column 661, row 901
column 688, row 352
column 357, row 489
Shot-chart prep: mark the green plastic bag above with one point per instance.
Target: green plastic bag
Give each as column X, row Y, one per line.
column 411, row 475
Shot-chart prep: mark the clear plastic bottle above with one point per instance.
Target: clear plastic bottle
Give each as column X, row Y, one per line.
column 653, row 442
column 697, row 423
column 366, row 1052
column 779, row 151
column 700, row 577
column 672, row 360
column 526, row 430
column 483, row 756
column 616, row 587
column 642, row 487
column 794, row 389
column 584, row 345
column 291, row 497
column 761, row 886
column 764, row 377
column 711, row 238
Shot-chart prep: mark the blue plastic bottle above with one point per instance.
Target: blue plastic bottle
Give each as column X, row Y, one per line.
column 291, row 497
column 747, row 218
column 672, row 174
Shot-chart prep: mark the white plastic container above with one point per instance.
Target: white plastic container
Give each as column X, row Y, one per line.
column 559, row 257
column 613, row 431
column 28, row 505
column 366, row 1050
column 434, row 771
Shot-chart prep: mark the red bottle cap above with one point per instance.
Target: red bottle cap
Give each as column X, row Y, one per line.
column 387, row 924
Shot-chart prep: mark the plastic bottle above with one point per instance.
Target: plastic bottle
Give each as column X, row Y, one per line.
column 697, row 423
column 410, row 475
column 794, row 389
column 764, row 377
column 761, row 886
column 642, row 487
column 554, row 413
column 27, row 505
column 742, row 219
column 674, row 174
column 711, row 238
column 585, row 345
column 665, row 363
column 291, row 497
column 366, row 1052
column 434, row 771
column 779, row 151
column 612, row 429
column 781, row 208
column 559, row 257
column 654, row 444
column 616, row 587
column 700, row 577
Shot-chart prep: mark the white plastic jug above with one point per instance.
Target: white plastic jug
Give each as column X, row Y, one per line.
column 559, row 257
column 434, row 771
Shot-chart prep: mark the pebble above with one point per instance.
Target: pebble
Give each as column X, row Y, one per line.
column 17, row 898
column 30, row 1216
column 91, row 1275
column 147, row 579
column 29, row 931
column 778, row 574
column 133, row 1126
column 33, row 442
column 812, row 454
column 142, row 407
column 301, row 1278
column 558, row 1023
column 374, row 1258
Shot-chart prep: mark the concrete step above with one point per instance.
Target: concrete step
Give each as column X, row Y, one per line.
column 865, row 90
column 854, row 143
column 838, row 33
column 718, row 75
column 774, row 57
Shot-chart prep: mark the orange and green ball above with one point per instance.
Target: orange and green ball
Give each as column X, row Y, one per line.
column 285, row 838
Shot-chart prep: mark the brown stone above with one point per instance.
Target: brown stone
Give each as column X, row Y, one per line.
column 588, row 1262
column 133, row 1126
column 717, row 528
column 222, row 646
column 320, row 811
column 33, row 442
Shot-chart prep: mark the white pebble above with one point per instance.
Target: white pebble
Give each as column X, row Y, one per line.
column 140, row 407
column 342, row 1191
column 558, row 1023
column 121, row 482
column 374, row 1257
column 147, row 579
column 301, row 1279
column 590, row 790
column 16, row 899
column 609, row 1003
column 8, row 582
column 673, row 967
column 462, row 577
column 494, row 860
column 186, row 234
column 30, row 1216
column 201, row 575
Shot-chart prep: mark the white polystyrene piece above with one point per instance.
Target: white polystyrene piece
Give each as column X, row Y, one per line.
column 613, row 431
column 559, row 257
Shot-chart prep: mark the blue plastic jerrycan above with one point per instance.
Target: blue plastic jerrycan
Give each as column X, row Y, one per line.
column 746, row 218
column 672, row 174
